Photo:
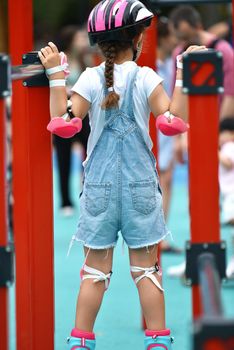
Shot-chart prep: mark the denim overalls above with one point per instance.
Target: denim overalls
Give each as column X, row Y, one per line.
column 121, row 190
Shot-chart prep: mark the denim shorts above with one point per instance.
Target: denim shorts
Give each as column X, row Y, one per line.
column 141, row 222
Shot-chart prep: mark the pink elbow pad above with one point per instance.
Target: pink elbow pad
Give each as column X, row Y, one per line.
column 170, row 125
column 60, row 127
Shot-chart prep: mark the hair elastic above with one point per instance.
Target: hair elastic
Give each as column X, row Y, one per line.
column 110, row 89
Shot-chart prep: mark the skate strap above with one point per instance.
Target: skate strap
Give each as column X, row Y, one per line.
column 97, row 275
column 148, row 272
column 161, row 333
column 82, row 334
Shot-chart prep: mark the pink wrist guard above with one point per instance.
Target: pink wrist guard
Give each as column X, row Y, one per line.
column 62, row 68
column 170, row 125
column 64, row 63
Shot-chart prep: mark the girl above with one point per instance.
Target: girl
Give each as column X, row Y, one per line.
column 121, row 190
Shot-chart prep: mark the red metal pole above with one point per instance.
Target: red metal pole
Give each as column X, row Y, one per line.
column 32, row 191
column 203, row 174
column 4, row 338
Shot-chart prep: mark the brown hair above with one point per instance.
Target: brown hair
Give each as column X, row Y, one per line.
column 110, row 50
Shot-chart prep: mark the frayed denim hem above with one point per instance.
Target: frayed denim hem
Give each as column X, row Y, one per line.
column 145, row 245
column 112, row 245
column 74, row 238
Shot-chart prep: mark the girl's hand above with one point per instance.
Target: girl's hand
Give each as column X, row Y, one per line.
column 192, row 48
column 226, row 162
column 49, row 56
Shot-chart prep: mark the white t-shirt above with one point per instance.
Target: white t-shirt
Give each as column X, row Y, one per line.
column 226, row 176
column 90, row 86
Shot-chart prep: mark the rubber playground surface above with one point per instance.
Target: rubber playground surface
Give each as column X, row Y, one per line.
column 119, row 322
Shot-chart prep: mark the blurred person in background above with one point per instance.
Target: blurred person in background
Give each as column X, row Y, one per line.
column 166, row 44
column 226, row 171
column 73, row 41
column 186, row 24
column 222, row 30
column 226, row 177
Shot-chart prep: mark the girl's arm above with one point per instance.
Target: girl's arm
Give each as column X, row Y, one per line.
column 178, row 105
column 50, row 58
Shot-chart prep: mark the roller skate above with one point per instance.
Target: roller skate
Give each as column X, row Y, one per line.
column 81, row 340
column 158, row 340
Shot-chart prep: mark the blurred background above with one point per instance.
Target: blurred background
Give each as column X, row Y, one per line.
column 60, row 13
column 119, row 323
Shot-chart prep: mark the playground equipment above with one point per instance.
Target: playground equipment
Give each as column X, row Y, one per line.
column 205, row 253
column 213, row 331
column 33, row 227
column 32, row 187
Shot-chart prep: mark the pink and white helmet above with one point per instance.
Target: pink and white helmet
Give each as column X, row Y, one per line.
column 109, row 19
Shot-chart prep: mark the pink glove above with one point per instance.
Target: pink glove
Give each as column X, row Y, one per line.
column 170, row 125
column 60, row 127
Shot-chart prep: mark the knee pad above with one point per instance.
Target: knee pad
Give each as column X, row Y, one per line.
column 96, row 275
column 148, row 272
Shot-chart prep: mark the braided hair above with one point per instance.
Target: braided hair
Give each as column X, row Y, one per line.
column 110, row 50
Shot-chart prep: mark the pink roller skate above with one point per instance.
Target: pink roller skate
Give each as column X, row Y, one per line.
column 81, row 340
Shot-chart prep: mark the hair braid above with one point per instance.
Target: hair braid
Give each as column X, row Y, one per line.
column 110, row 52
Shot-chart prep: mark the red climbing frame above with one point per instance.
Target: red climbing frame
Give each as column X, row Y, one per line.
column 203, row 175
column 3, row 225
column 32, row 190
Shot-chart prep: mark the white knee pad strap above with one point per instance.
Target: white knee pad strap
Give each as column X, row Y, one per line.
column 149, row 273
column 97, row 275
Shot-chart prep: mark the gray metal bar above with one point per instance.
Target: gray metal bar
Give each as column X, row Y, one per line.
column 26, row 71
column 159, row 3
column 210, row 285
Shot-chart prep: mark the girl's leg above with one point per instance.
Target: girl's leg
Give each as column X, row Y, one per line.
column 151, row 297
column 91, row 294
column 147, row 276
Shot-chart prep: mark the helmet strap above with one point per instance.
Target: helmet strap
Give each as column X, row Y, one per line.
column 135, row 52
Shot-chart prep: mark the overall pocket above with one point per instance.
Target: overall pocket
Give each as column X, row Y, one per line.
column 143, row 196
column 97, row 196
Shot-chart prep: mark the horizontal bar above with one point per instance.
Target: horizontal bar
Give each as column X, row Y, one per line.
column 26, row 71
column 209, row 285
column 159, row 3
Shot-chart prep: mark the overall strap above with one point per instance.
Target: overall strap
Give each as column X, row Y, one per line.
column 127, row 105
